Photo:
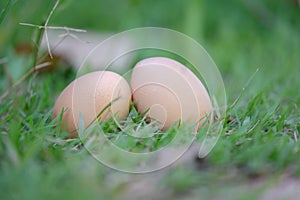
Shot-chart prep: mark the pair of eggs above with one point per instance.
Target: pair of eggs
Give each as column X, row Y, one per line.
column 163, row 88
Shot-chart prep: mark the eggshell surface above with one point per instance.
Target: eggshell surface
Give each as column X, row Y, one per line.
column 95, row 96
column 170, row 91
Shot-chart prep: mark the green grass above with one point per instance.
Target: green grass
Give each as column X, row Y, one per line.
column 260, row 143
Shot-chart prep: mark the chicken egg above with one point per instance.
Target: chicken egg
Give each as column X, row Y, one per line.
column 170, row 92
column 97, row 95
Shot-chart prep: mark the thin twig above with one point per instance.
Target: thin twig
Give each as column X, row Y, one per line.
column 63, row 36
column 46, row 24
column 54, row 27
column 23, row 78
column 30, row 72
column 42, row 65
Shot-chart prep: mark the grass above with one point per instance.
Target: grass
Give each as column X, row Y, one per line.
column 260, row 144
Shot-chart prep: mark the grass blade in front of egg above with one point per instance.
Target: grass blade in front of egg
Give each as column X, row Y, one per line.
column 136, row 134
column 124, row 133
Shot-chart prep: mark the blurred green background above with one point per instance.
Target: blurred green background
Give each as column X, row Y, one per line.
column 240, row 35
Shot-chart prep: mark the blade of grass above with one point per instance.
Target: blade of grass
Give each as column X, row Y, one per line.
column 6, row 9
column 37, row 44
column 243, row 90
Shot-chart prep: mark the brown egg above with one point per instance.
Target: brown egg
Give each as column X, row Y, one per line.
column 91, row 95
column 170, row 91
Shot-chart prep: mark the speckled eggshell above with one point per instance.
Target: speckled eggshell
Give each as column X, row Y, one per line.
column 170, row 91
column 90, row 94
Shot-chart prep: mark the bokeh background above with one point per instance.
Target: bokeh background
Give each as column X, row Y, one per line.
column 241, row 36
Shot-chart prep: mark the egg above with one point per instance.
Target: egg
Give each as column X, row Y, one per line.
column 170, row 92
column 97, row 95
